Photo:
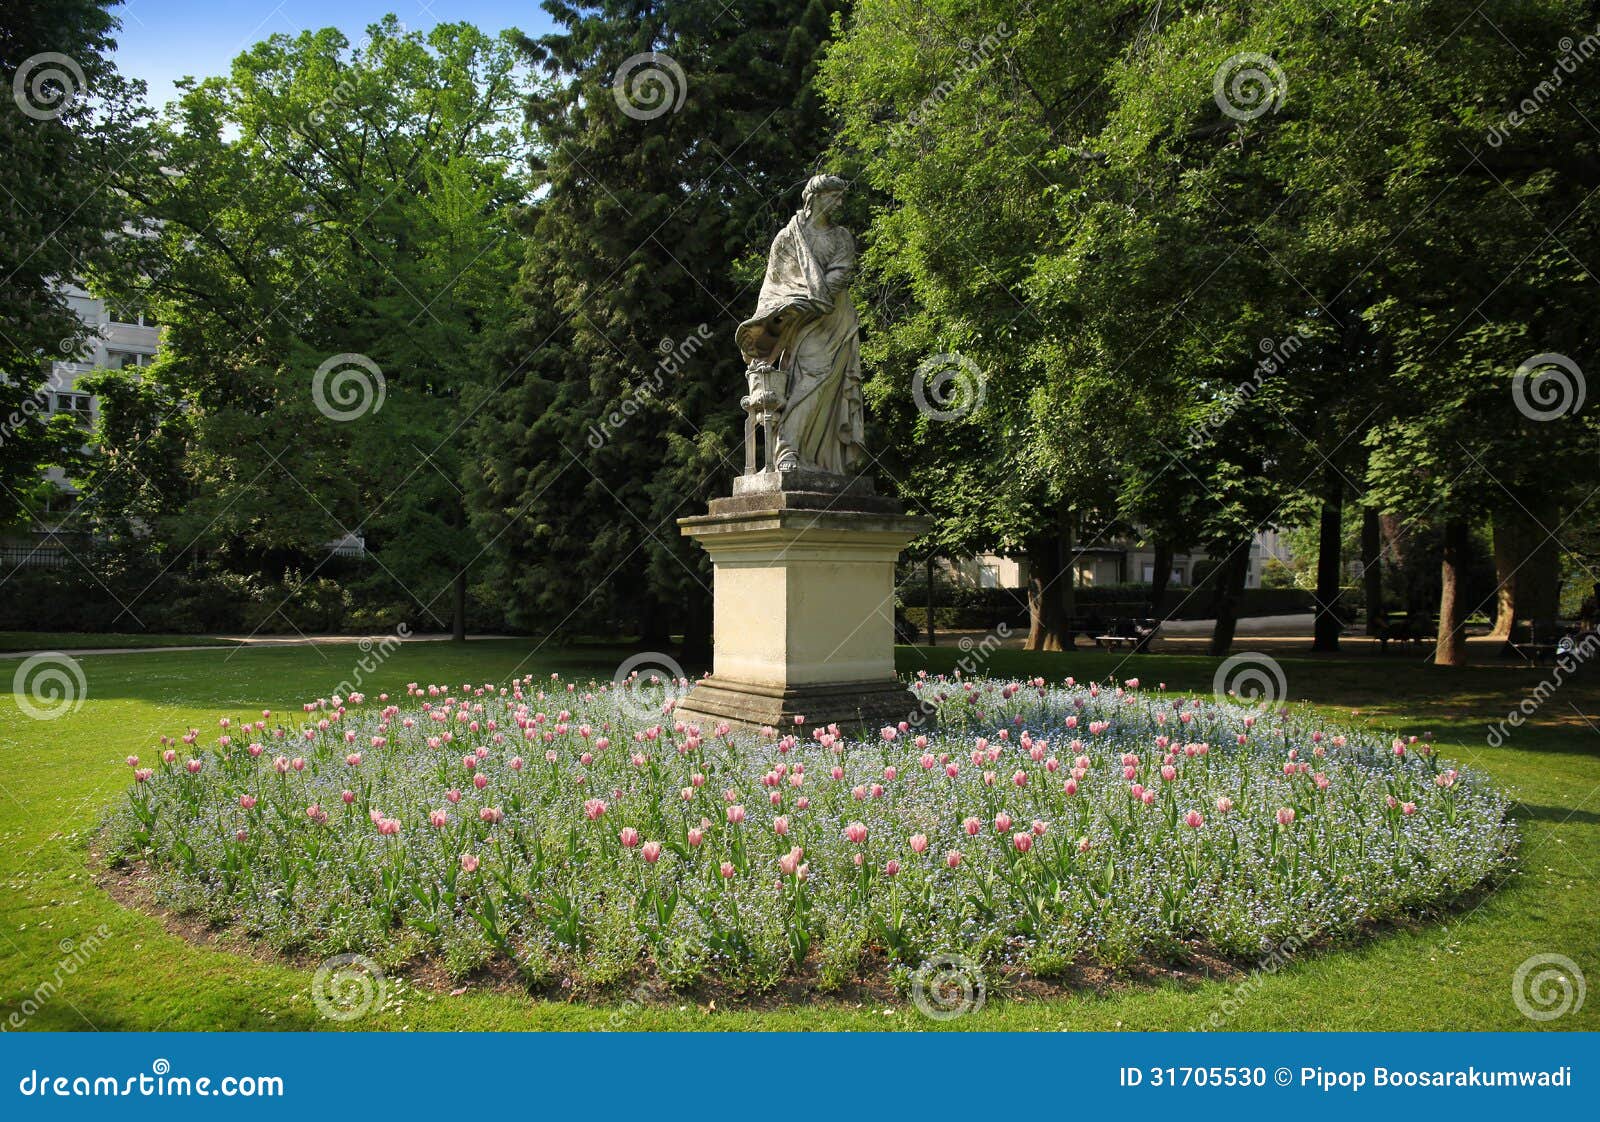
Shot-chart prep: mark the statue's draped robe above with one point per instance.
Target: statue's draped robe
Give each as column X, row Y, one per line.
column 806, row 326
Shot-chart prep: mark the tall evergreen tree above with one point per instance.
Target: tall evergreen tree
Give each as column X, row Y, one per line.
column 678, row 142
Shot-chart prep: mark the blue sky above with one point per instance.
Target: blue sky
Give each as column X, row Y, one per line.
column 164, row 40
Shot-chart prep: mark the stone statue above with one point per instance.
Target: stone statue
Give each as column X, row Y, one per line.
column 803, row 343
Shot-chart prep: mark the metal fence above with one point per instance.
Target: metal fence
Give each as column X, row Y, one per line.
column 13, row 557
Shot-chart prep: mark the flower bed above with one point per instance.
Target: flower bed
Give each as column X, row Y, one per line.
column 578, row 831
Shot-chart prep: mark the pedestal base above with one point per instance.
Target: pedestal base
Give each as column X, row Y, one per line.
column 850, row 705
column 803, row 603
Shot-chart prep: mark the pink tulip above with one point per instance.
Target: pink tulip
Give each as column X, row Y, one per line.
column 491, row 814
column 651, row 852
column 856, row 832
column 1285, row 816
column 735, row 815
column 437, row 819
column 780, row 826
column 453, row 795
column 891, row 867
column 919, row 843
column 1192, row 818
column 727, row 870
column 469, row 863
column 629, row 837
column 247, row 801
column 1224, row 805
column 953, row 858
column 1408, row 809
column 972, row 826
column 1070, row 786
column 696, row 836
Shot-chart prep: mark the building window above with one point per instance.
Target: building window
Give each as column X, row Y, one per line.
column 988, row 576
column 130, row 314
column 79, row 405
column 128, row 360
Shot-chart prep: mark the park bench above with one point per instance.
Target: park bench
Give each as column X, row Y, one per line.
column 1087, row 626
column 1127, row 632
column 1542, row 641
column 1405, row 629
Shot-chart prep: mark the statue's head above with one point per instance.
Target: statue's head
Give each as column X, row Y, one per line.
column 823, row 193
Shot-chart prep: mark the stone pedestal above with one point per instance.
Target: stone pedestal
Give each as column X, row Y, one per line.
column 804, row 603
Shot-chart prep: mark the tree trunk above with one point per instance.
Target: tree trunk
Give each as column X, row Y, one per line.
column 1330, row 559
column 1372, row 567
column 1230, row 577
column 1160, row 574
column 1451, row 648
column 1539, row 582
column 933, row 636
column 1046, row 620
column 1068, row 600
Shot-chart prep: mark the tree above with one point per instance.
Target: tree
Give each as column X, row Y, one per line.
column 1156, row 187
column 679, row 136
column 331, row 257
column 74, row 123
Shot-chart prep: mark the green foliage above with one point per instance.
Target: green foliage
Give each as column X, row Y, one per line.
column 619, row 409
column 73, row 122
column 323, row 201
column 1220, row 317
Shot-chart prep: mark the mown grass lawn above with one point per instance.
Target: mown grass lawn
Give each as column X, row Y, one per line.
column 1455, row 972
column 101, row 640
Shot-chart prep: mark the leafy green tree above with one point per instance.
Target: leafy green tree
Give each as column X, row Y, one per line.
column 1167, row 194
column 69, row 123
column 332, row 259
